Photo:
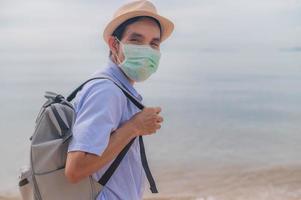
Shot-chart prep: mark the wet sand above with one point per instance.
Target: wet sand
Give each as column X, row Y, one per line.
column 230, row 183
column 159, row 198
column 9, row 198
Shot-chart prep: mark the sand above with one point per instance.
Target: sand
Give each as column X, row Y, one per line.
column 159, row 198
column 9, row 198
column 235, row 183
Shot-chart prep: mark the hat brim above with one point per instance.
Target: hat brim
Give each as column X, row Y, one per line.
column 166, row 25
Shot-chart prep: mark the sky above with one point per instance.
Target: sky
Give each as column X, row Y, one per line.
column 201, row 25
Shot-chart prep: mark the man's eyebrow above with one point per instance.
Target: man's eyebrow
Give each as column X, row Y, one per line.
column 136, row 35
column 140, row 36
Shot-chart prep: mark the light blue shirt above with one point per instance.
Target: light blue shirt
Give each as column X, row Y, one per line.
column 101, row 107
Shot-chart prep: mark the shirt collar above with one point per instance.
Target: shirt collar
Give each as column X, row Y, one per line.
column 114, row 71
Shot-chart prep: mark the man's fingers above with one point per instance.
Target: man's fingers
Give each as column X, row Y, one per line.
column 159, row 119
column 157, row 110
column 158, row 126
column 152, row 109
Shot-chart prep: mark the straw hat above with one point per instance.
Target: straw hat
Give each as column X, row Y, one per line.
column 135, row 9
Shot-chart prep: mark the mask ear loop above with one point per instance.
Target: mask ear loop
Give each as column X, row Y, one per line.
column 117, row 58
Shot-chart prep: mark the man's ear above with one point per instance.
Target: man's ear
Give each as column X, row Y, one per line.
column 113, row 45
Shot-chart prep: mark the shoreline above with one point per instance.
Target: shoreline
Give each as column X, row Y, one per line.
column 151, row 198
column 9, row 198
column 226, row 183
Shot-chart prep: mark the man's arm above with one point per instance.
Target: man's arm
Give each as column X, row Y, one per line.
column 81, row 164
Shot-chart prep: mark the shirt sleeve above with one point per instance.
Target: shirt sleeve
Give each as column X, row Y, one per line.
column 99, row 113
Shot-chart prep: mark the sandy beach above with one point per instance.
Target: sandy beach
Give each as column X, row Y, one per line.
column 159, row 198
column 16, row 198
column 9, row 198
column 233, row 183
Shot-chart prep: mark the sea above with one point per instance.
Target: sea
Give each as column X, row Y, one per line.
column 228, row 132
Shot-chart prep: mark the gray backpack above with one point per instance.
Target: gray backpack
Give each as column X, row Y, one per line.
column 44, row 178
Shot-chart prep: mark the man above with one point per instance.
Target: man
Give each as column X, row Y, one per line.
column 106, row 120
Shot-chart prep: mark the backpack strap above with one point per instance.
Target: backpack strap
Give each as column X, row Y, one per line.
column 131, row 97
column 110, row 171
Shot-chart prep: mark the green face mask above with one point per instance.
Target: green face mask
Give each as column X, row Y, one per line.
column 140, row 61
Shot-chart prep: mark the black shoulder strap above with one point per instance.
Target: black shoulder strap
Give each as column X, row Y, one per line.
column 110, row 171
column 133, row 99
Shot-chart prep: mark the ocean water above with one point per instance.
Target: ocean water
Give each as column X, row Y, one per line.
column 230, row 97
column 228, row 132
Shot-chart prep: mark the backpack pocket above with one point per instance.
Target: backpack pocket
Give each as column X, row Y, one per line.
column 48, row 156
column 54, row 185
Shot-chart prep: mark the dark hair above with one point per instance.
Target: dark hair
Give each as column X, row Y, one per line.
column 119, row 31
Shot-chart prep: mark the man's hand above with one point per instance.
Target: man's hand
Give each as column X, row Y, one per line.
column 81, row 164
column 147, row 121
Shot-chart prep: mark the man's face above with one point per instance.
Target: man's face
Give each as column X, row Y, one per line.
column 143, row 32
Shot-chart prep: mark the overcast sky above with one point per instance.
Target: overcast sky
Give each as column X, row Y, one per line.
column 205, row 24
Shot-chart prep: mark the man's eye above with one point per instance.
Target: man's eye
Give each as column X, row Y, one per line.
column 134, row 40
column 155, row 45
